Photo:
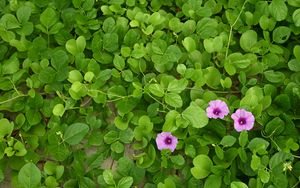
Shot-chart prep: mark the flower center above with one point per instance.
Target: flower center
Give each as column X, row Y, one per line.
column 216, row 111
column 168, row 140
column 242, row 121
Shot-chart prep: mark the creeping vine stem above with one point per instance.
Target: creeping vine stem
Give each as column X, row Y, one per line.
column 231, row 28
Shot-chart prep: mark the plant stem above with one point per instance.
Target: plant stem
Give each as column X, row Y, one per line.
column 11, row 99
column 221, row 92
column 231, row 28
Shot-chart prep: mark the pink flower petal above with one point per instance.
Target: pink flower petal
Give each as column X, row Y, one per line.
column 166, row 140
column 243, row 120
column 217, row 109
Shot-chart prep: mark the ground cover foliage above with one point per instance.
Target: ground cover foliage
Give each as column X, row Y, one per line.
column 85, row 83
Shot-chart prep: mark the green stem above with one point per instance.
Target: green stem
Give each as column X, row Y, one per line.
column 114, row 95
column 14, row 86
column 296, row 184
column 231, row 28
column 11, row 99
column 221, row 92
column 164, row 106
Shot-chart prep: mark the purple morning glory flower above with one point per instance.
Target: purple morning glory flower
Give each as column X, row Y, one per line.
column 243, row 120
column 166, row 140
column 217, row 109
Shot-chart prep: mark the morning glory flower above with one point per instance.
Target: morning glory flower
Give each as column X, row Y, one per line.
column 243, row 120
column 166, row 140
column 217, row 109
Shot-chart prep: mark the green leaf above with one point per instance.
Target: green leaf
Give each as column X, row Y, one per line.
column 23, row 13
column 296, row 17
column 271, row 59
column 207, row 27
column 242, row 154
column 108, row 177
column 110, row 42
column 267, row 23
column 122, row 123
column 49, row 17
column 230, row 68
column 248, row 40
column 146, row 123
column 88, row 76
column 75, row 133
column 264, row 175
column 58, row 110
column 33, row 116
column 156, row 19
column 56, row 28
column 157, row 90
column 175, row 24
column 29, row 176
column 294, row 65
column 50, row 181
column 117, row 147
column 80, row 44
column 159, row 46
column 255, row 162
column 9, row 21
column 178, row 160
column 173, row 99
column 126, row 136
column 281, row 34
column 126, row 105
column 76, row 46
column 169, row 123
column 228, row 141
column 294, row 3
column 125, row 165
column 119, row 62
column 283, row 102
column 189, row 44
column 147, row 160
column 6, row 128
column 202, row 166
column 11, row 65
column 177, row 86
column 226, row 83
column 236, row 184
column 279, row 158
column 108, row 24
column 219, row 152
column 125, row 182
column 241, row 61
column 111, row 137
column 168, row 183
column 274, row 77
column 138, row 51
column 249, row 101
column 258, row 145
column 58, row 151
column 214, row 181
column 213, row 44
column 172, row 53
column 296, row 52
column 59, row 60
column 195, row 115
column 75, row 75
column 20, row 149
column 49, row 167
column 212, row 77
column 243, row 138
column 275, row 127
column 278, row 9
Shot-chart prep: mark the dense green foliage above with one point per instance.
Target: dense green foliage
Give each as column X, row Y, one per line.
column 86, row 85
